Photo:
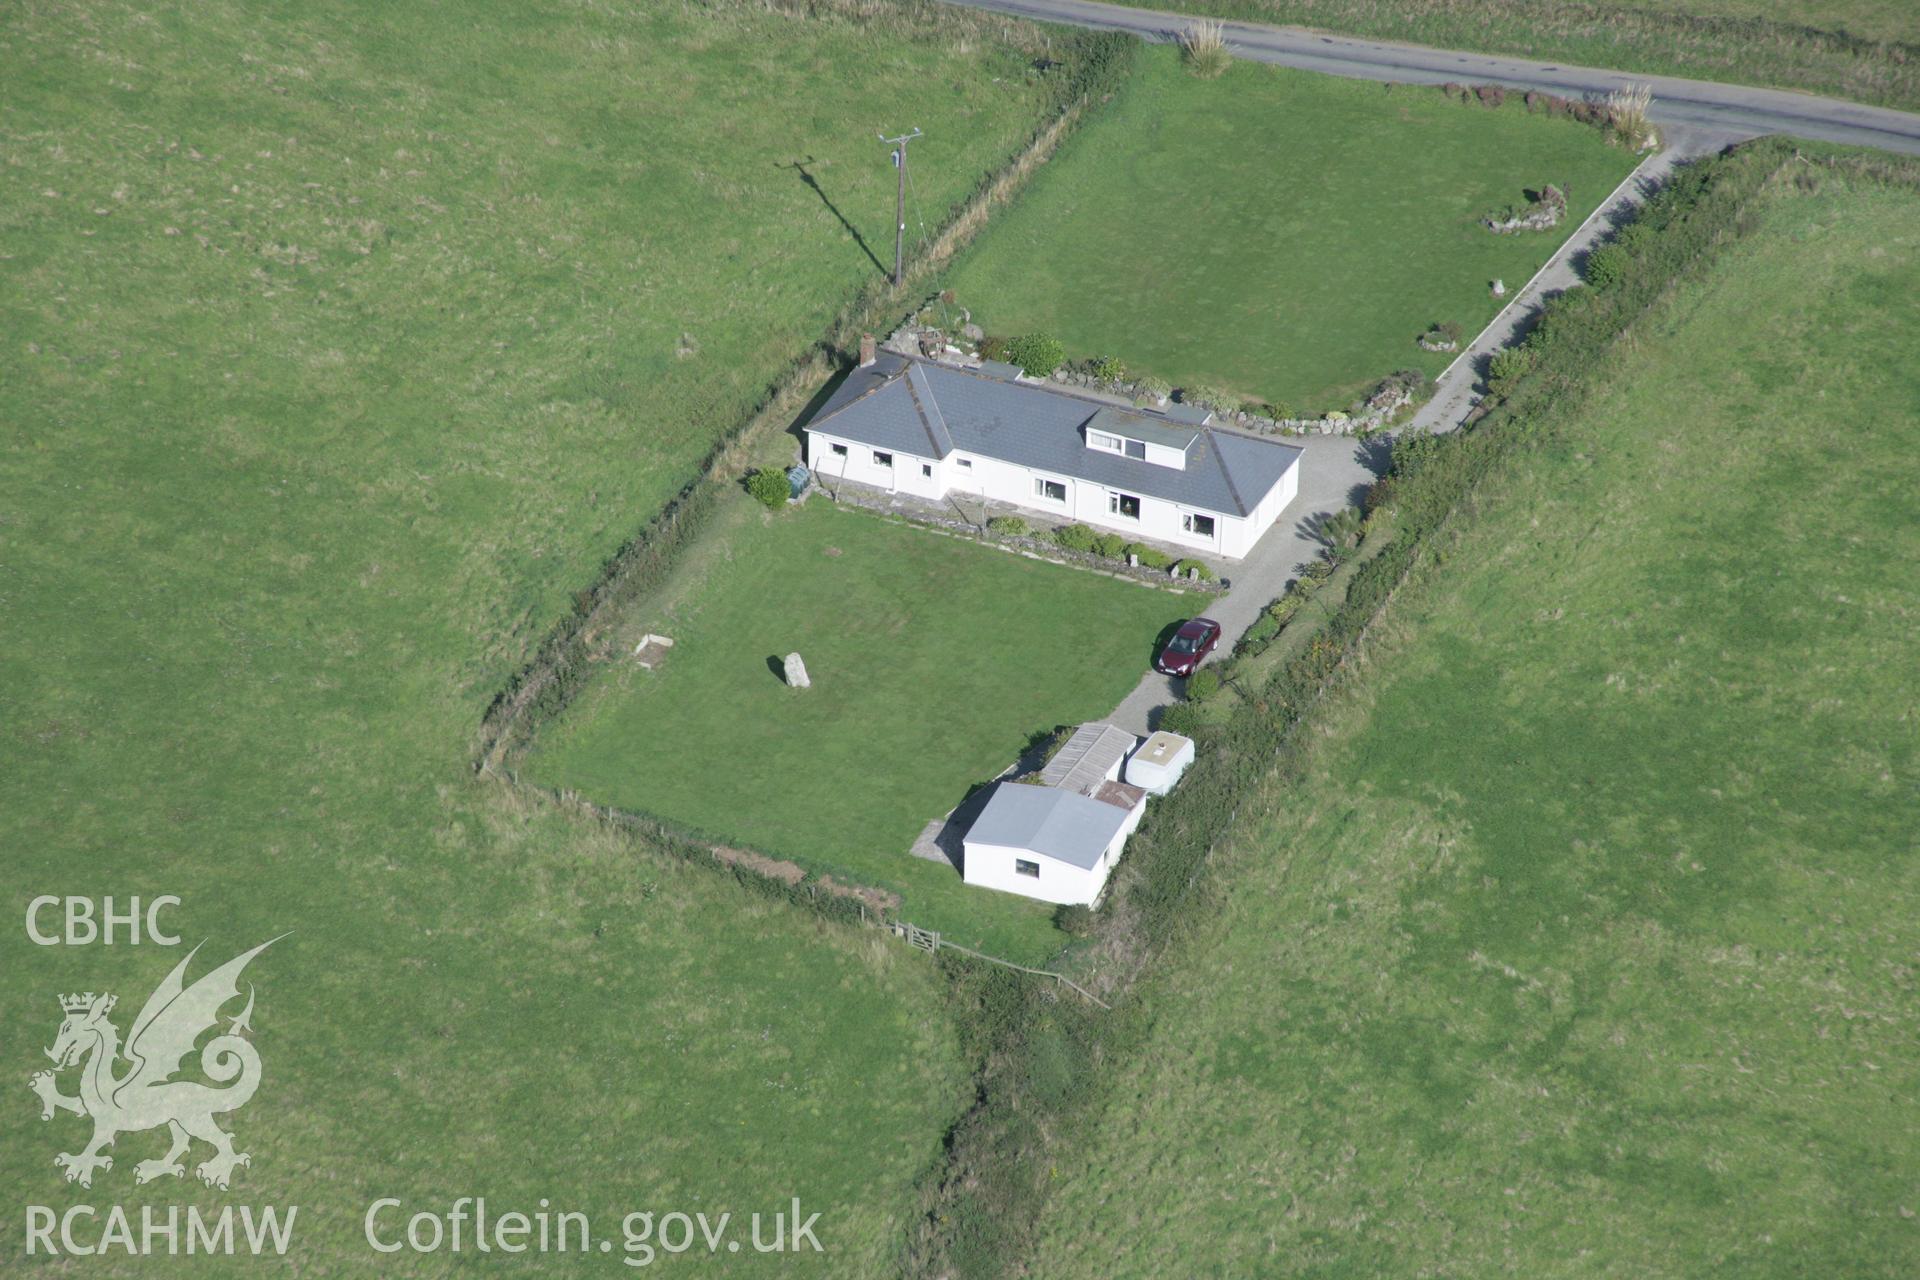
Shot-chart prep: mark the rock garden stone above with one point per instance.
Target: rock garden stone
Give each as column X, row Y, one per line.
column 797, row 673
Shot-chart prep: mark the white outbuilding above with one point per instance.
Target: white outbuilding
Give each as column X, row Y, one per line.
column 1057, row 838
column 1159, row 762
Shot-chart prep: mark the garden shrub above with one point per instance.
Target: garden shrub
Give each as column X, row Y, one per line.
column 1151, row 557
column 1075, row 537
column 1184, row 719
column 1605, row 266
column 1107, row 368
column 993, row 347
column 1037, row 354
column 769, row 487
column 1074, row 920
column 1009, row 526
column 1509, row 366
column 1263, row 632
column 1490, row 95
column 1210, row 398
column 1181, row 568
column 1203, row 47
column 1152, row 388
column 1342, row 528
column 1203, row 684
column 1111, row 545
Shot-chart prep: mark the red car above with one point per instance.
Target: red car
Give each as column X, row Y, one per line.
column 1188, row 648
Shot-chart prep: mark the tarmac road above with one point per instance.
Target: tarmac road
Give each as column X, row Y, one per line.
column 1729, row 109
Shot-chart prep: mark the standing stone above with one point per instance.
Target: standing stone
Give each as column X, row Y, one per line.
column 1499, row 288
column 797, row 673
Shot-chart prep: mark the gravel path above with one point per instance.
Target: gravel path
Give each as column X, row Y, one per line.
column 1338, row 469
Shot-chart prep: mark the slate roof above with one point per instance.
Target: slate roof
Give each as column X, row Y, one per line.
column 929, row 410
column 1063, row 825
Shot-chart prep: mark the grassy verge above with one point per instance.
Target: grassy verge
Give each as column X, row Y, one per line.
column 1577, row 944
column 1284, row 236
column 918, row 696
column 1042, row 1077
column 344, row 342
column 1866, row 50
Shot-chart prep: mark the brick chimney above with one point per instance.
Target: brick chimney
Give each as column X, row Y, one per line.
column 866, row 350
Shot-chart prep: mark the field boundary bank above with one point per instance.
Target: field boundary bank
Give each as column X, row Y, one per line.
column 981, row 1207
column 546, row 684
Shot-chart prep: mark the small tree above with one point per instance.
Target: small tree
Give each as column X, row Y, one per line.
column 1037, row 354
column 769, row 486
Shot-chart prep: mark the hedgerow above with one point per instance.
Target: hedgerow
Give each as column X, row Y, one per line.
column 1043, row 1056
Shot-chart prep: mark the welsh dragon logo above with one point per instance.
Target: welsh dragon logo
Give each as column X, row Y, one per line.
column 147, row 1096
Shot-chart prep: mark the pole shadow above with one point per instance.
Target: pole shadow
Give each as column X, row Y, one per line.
column 800, row 167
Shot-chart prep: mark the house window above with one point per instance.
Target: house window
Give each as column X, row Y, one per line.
column 1135, row 449
column 1051, row 490
column 1101, row 440
column 926, row 469
column 1021, row 867
column 839, row 450
column 1124, row 505
column 882, row 459
column 1194, row 522
column 965, row 464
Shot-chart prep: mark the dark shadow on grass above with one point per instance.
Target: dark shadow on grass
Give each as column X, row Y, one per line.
column 1160, row 642
column 800, row 167
column 798, row 427
column 777, row 665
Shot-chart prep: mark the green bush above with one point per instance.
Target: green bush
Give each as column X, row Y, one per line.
column 1211, row 398
column 769, row 487
column 1183, row 718
column 1074, row 920
column 1037, row 354
column 1182, row 567
column 1508, row 367
column 1149, row 557
column 1152, row 388
column 1011, row 526
column 1107, row 368
column 1075, row 537
column 1263, row 632
column 1605, row 265
column 1110, row 545
column 1203, row 684
column 1342, row 528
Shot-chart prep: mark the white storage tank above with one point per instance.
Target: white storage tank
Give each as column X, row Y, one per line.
column 1159, row 762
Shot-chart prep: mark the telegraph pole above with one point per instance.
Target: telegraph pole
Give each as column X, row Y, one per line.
column 899, row 146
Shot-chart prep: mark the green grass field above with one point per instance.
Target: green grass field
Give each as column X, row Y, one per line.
column 1859, row 49
column 1585, row 944
column 933, row 661
column 342, row 343
column 1283, row 235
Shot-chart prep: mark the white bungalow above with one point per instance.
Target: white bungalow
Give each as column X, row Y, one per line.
column 918, row 427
